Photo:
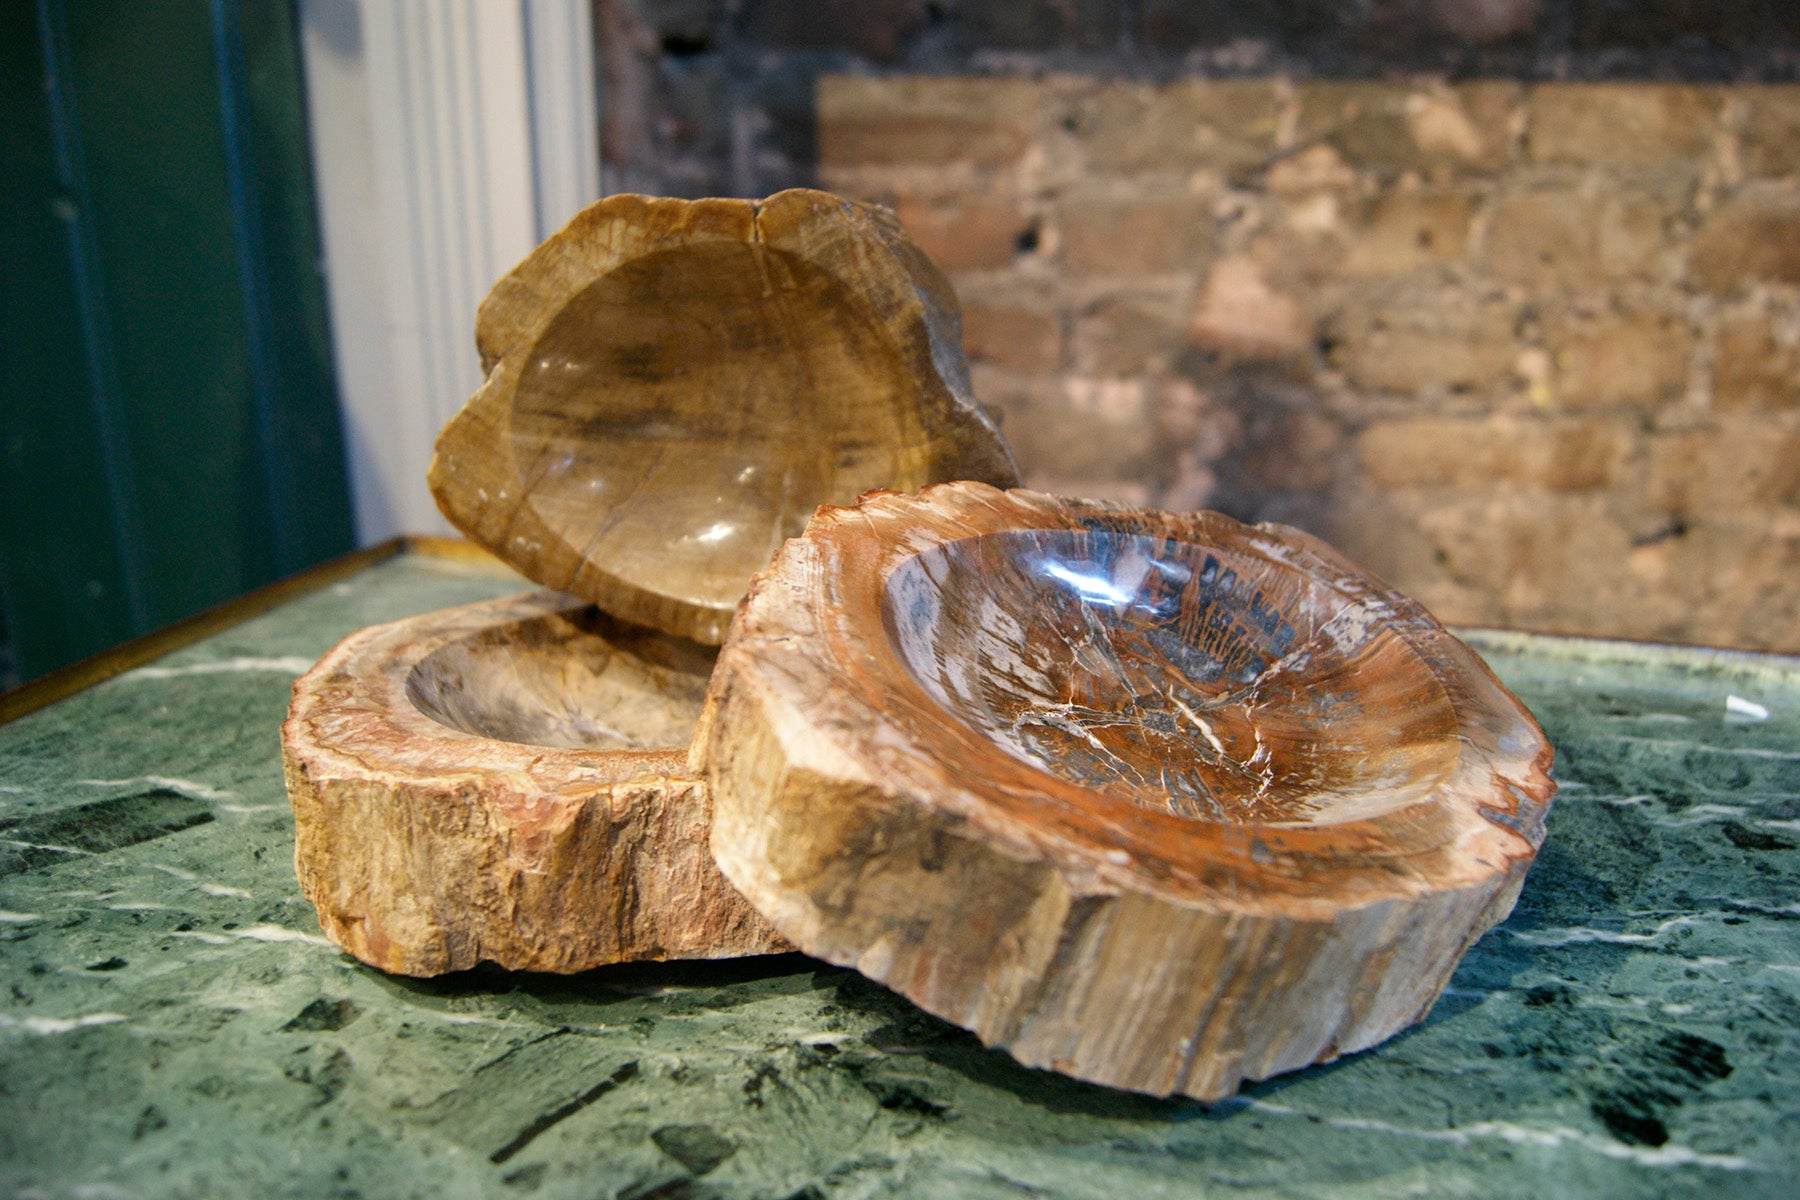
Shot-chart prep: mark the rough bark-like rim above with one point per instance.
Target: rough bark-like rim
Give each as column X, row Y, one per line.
column 812, row 742
column 355, row 743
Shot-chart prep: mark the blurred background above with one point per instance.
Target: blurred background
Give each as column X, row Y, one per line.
column 1501, row 296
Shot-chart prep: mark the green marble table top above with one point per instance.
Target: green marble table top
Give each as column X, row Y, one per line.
column 172, row 1024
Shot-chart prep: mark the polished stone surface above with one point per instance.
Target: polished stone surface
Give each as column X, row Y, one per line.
column 672, row 387
column 171, row 1023
column 1193, row 679
column 575, row 679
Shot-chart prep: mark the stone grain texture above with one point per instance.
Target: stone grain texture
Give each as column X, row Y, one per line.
column 672, row 387
column 506, row 783
column 173, row 1024
column 1155, row 800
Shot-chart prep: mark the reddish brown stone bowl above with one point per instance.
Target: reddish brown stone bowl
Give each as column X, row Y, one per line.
column 1158, row 800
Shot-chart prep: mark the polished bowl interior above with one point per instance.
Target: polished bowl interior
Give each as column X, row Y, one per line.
column 576, row 679
column 669, row 397
column 1190, row 679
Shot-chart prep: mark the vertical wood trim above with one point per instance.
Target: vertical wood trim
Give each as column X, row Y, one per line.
column 442, row 148
column 395, row 427
column 96, row 328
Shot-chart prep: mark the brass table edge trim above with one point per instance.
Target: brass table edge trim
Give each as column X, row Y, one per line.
column 116, row 660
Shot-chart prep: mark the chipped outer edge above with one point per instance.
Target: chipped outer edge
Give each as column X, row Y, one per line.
column 478, row 845
column 1067, row 950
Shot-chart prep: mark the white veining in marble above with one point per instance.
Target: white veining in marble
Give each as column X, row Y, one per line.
column 187, row 787
column 255, row 933
column 1521, row 1135
column 1572, row 935
column 24, row 845
column 45, row 1026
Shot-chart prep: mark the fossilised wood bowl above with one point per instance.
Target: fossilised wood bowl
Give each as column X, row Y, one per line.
column 1156, row 800
column 673, row 386
column 506, row 782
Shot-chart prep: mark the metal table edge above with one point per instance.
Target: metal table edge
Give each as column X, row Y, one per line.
column 84, row 674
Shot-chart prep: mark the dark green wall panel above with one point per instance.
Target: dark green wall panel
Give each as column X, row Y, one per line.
column 63, row 559
column 178, row 441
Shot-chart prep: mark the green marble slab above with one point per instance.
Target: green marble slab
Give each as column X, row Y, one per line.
column 172, row 1024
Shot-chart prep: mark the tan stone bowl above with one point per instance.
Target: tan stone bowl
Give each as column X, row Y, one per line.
column 1156, row 800
column 506, row 782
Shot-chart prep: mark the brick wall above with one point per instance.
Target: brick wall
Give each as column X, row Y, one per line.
column 1527, row 344
column 715, row 97
column 1530, row 352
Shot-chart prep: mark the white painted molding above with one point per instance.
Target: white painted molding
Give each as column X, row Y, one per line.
column 448, row 138
column 565, row 112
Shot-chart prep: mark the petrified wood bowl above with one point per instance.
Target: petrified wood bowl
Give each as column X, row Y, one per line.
column 1157, row 800
column 506, row 782
column 673, row 386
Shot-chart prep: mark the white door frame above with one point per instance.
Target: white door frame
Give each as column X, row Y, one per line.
column 449, row 137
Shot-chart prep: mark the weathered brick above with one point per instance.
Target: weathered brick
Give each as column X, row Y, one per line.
column 1379, row 528
column 1465, row 128
column 1027, row 340
column 1177, row 26
column 1227, row 125
column 1771, row 130
column 1753, row 368
column 1560, row 236
column 1423, row 452
column 1317, row 168
column 1732, row 580
column 1738, row 460
column 1483, row 22
column 966, row 232
column 878, row 29
column 1241, row 316
column 1125, row 337
column 1525, row 547
column 1446, row 341
column 1737, row 24
column 1563, row 454
column 685, row 21
column 929, row 120
column 1289, row 450
column 1750, row 240
column 1406, row 229
column 1621, row 124
column 1134, row 232
column 1073, row 427
column 1037, row 24
column 1392, row 128
column 1580, row 454
column 1197, row 419
column 1638, row 358
column 1571, row 516
column 1675, row 475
